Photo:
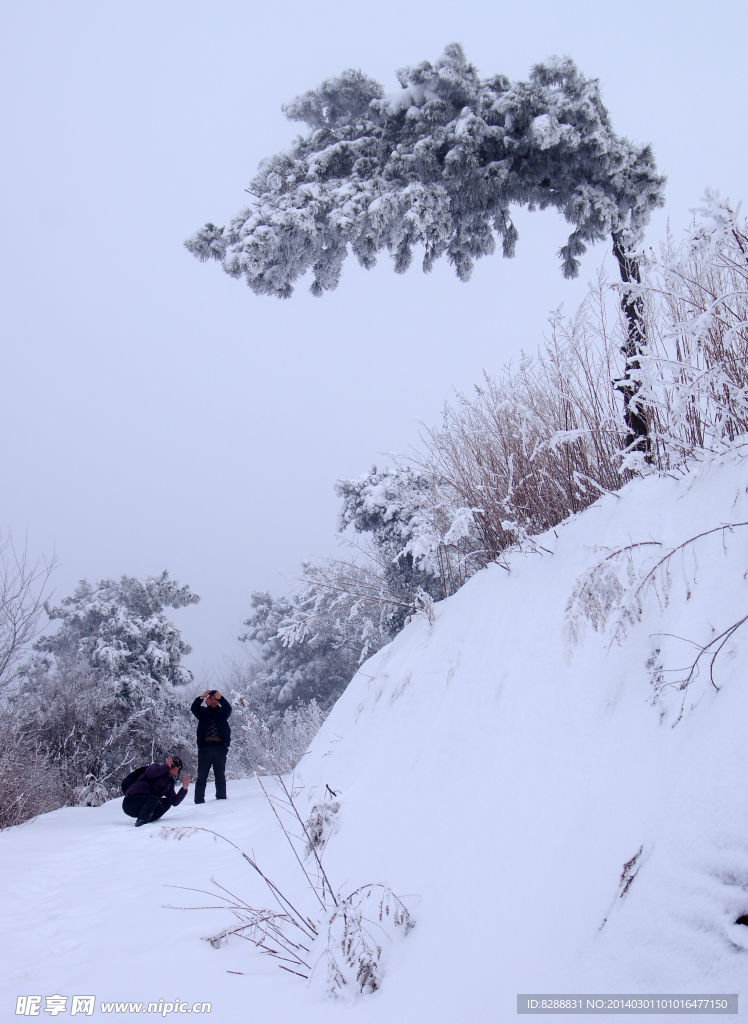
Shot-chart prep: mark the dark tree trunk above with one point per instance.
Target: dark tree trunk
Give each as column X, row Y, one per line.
column 637, row 421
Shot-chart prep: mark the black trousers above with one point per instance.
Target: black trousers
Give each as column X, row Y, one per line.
column 146, row 807
column 211, row 755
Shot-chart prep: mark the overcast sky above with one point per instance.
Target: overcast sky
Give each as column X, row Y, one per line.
column 155, row 413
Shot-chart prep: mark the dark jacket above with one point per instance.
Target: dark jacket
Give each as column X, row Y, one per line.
column 156, row 781
column 207, row 716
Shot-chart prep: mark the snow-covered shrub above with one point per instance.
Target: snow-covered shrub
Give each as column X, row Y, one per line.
column 339, row 941
column 354, row 935
column 30, row 783
column 319, row 825
column 607, row 592
column 641, row 580
column 268, row 744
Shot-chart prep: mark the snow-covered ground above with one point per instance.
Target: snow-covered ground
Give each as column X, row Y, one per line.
column 555, row 818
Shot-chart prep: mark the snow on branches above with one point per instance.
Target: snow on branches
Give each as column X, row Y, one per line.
column 437, row 165
column 119, row 626
column 677, row 585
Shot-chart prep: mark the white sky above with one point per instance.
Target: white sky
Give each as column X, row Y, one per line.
column 157, row 414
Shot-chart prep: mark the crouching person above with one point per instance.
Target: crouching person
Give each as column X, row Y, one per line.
column 153, row 793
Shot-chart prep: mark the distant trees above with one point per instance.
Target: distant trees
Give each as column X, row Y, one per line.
column 439, row 166
column 409, row 541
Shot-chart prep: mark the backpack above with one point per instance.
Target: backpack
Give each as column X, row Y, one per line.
column 132, row 777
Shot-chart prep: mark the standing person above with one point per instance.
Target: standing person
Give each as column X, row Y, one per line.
column 213, row 740
column 153, row 793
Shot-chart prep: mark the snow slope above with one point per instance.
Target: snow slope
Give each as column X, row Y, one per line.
column 556, row 819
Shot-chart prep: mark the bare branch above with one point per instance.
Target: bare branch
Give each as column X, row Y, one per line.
column 23, row 590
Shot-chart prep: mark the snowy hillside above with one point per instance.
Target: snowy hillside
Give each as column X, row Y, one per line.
column 525, row 771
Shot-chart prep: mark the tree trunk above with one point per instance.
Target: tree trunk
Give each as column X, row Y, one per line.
column 637, row 420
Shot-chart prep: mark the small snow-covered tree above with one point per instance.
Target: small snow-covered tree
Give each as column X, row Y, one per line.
column 439, row 165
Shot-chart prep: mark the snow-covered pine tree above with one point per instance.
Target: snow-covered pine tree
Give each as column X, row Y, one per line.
column 439, row 165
